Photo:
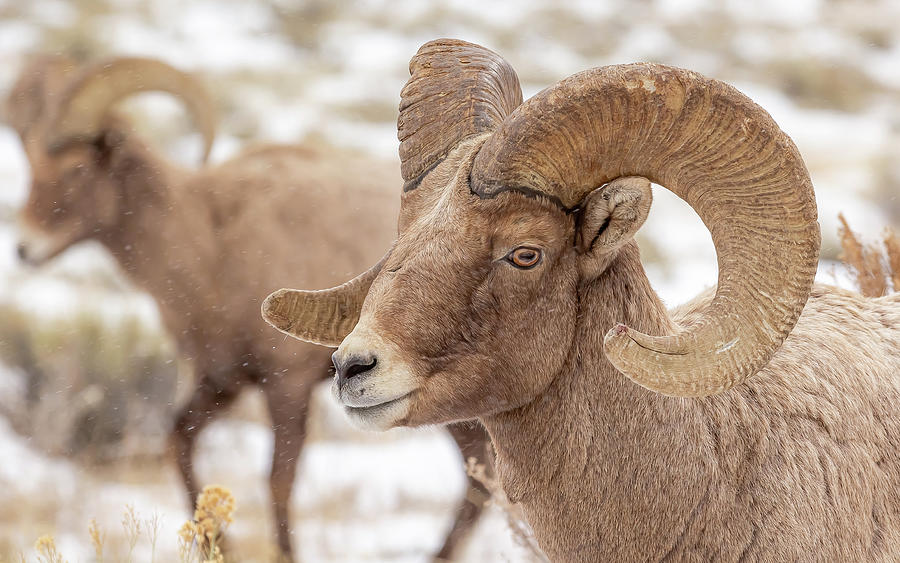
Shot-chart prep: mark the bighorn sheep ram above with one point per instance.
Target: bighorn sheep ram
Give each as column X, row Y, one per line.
column 204, row 243
column 734, row 428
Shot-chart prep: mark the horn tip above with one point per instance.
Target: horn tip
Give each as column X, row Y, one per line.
column 617, row 337
column 272, row 307
column 616, row 341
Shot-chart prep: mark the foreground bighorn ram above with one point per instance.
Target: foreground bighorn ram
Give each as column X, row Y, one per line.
column 732, row 429
column 204, row 243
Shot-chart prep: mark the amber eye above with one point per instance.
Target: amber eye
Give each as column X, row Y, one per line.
column 524, row 257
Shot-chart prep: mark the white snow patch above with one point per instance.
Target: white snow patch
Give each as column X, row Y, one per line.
column 882, row 65
column 53, row 13
column 677, row 232
column 378, row 139
column 682, row 9
column 18, row 36
column 15, row 173
column 796, row 13
column 27, row 472
column 644, row 42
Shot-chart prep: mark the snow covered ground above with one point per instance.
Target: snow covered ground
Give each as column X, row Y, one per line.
column 291, row 71
column 364, row 498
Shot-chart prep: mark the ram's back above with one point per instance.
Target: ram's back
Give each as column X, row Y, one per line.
column 293, row 216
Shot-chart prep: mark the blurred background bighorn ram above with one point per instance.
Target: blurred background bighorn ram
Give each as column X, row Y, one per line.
column 758, row 422
column 206, row 244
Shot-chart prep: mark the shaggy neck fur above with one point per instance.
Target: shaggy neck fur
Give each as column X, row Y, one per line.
column 595, row 447
column 801, row 461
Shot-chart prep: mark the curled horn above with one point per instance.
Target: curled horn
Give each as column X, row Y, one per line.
column 89, row 97
column 456, row 90
column 718, row 151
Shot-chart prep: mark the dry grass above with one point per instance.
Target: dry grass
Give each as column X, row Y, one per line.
column 98, row 538
column 518, row 524
column 876, row 266
column 46, row 550
column 199, row 540
column 819, row 83
column 132, row 526
column 92, row 390
column 892, row 245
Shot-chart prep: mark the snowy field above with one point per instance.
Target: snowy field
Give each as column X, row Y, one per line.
column 330, row 72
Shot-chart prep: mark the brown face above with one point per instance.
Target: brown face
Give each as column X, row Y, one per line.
column 475, row 304
column 56, row 104
column 71, row 199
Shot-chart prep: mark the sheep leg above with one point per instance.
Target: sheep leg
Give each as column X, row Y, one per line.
column 208, row 400
column 288, row 410
column 473, row 442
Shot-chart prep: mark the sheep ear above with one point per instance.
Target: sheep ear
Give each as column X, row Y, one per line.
column 612, row 214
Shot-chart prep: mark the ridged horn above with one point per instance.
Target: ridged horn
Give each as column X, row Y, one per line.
column 90, row 96
column 456, row 89
column 324, row 316
column 718, row 151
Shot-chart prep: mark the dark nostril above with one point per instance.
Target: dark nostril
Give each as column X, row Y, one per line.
column 358, row 368
column 351, row 366
column 21, row 251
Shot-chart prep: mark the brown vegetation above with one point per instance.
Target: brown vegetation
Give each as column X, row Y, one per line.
column 75, row 400
column 515, row 516
column 876, row 266
column 199, row 539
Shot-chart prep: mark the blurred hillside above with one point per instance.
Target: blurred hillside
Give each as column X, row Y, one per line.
column 92, row 381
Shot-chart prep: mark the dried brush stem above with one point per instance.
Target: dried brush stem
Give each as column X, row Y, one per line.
column 215, row 507
column 865, row 261
column 131, row 523
column 46, row 550
column 98, row 538
column 515, row 516
column 892, row 245
column 151, row 525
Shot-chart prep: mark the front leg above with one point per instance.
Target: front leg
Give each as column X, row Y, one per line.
column 288, row 403
column 211, row 397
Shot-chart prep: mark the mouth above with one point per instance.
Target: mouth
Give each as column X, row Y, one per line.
column 31, row 262
column 381, row 416
column 375, row 408
column 38, row 253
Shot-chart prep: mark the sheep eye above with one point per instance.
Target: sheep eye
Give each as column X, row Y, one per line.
column 524, row 257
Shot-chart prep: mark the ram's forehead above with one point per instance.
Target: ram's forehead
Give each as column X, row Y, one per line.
column 444, row 201
column 438, row 207
column 517, row 216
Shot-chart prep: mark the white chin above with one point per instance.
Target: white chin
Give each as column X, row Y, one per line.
column 379, row 417
column 39, row 248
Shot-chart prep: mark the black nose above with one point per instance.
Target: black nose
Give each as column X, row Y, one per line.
column 21, row 251
column 352, row 365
